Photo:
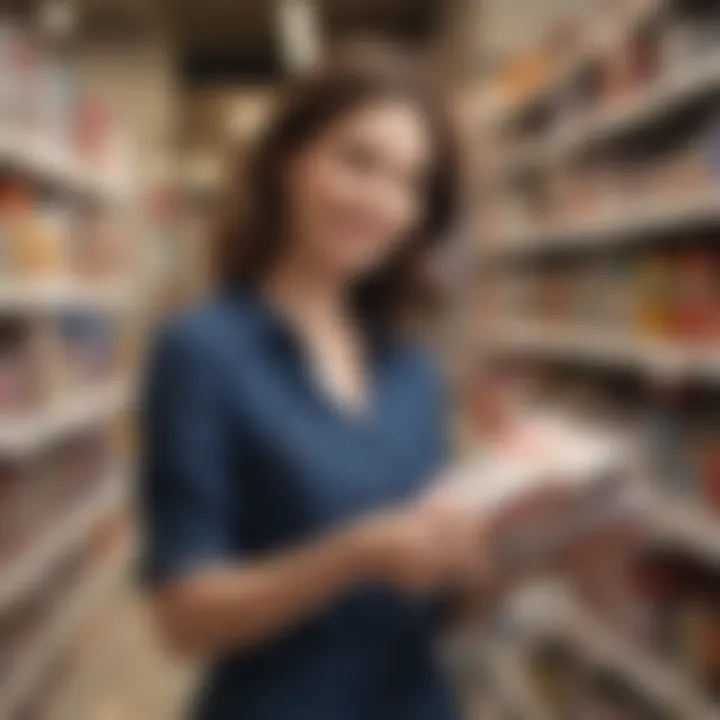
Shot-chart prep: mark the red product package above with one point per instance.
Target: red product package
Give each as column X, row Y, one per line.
column 697, row 288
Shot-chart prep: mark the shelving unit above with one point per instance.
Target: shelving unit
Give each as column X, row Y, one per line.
column 30, row 568
column 22, row 437
column 51, row 639
column 572, row 195
column 653, row 358
column 614, row 227
column 51, row 163
column 43, row 296
column 560, row 616
column 65, row 373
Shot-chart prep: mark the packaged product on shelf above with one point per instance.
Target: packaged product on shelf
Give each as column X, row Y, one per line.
column 12, row 521
column 18, row 370
column 547, row 484
column 654, row 296
column 35, row 236
column 91, row 132
column 697, row 289
column 691, row 171
column 617, row 75
column 667, row 438
column 91, row 346
column 58, row 97
column 100, row 252
column 19, row 63
column 80, row 464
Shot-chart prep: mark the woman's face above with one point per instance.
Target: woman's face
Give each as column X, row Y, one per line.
column 357, row 192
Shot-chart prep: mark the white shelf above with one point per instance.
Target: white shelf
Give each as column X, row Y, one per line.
column 48, row 295
column 52, row 163
column 644, row 108
column 657, row 359
column 22, row 437
column 613, row 227
column 22, row 575
column 510, row 681
column 603, row 39
column 657, row 681
column 665, row 96
column 560, row 614
column 689, row 526
column 33, row 662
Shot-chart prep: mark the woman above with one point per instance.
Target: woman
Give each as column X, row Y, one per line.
column 291, row 427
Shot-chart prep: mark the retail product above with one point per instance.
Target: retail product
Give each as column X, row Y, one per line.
column 710, row 467
column 666, row 438
column 20, row 62
column 100, row 252
column 18, row 377
column 545, row 484
column 34, row 235
column 655, row 291
column 11, row 515
column 697, row 289
column 58, row 96
column 91, row 346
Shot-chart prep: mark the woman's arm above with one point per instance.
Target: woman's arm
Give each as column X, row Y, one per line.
column 414, row 549
column 209, row 597
column 234, row 607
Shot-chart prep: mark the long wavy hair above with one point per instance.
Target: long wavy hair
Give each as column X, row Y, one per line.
column 253, row 227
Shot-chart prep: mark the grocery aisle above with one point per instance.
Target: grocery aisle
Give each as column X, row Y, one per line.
column 587, row 287
column 596, row 246
column 128, row 676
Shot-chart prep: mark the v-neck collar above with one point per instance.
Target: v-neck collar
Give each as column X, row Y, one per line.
column 277, row 330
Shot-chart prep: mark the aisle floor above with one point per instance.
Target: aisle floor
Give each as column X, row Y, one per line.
column 128, row 676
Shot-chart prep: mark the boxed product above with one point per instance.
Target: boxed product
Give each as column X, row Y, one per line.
column 18, row 372
column 545, row 484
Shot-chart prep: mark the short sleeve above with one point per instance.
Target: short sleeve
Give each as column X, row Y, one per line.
column 189, row 490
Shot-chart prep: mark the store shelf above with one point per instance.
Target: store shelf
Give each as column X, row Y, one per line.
column 602, row 40
column 656, row 680
column 643, row 109
column 655, row 358
column 688, row 525
column 21, row 576
column 51, row 163
column 510, row 681
column 559, row 614
column 20, row 437
column 48, row 295
column 614, row 227
column 62, row 626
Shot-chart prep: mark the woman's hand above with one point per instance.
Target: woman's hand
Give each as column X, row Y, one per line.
column 431, row 544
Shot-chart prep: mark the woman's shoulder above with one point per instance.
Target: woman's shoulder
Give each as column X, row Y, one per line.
column 206, row 334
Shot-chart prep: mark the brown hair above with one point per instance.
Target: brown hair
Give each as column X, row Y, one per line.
column 252, row 233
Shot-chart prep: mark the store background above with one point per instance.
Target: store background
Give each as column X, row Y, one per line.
column 585, row 276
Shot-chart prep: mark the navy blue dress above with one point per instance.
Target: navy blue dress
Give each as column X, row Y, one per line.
column 244, row 455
